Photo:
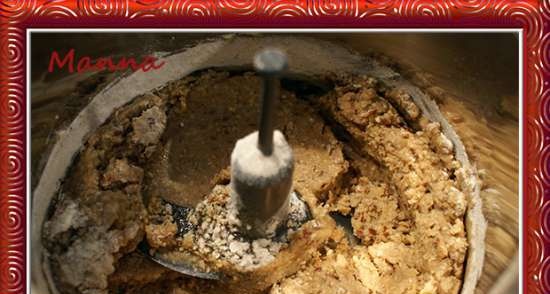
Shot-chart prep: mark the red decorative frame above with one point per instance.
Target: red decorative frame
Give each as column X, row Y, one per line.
column 18, row 15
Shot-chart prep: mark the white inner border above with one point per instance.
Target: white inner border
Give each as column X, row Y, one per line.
column 229, row 30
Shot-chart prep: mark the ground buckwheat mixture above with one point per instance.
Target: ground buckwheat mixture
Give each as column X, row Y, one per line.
column 158, row 171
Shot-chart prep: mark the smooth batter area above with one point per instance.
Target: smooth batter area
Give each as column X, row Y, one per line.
column 364, row 154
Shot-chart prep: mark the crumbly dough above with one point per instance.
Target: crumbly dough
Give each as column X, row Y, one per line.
column 99, row 215
column 363, row 152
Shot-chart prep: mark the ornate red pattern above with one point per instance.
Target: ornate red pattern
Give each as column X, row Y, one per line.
column 18, row 15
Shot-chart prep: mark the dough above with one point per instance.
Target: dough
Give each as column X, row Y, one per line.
column 364, row 153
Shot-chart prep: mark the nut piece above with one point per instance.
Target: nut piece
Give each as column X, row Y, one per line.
column 120, row 172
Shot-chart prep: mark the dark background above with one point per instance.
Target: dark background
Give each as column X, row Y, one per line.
column 475, row 59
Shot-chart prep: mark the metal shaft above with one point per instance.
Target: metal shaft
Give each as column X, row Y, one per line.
column 270, row 64
column 262, row 163
column 270, row 94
